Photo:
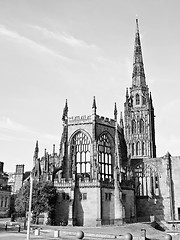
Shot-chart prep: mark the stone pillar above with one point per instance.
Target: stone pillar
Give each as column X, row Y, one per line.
column 99, row 207
column 70, row 218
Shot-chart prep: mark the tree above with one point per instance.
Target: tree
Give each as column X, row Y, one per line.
column 43, row 199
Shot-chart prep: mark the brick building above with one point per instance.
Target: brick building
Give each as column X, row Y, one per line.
column 5, row 192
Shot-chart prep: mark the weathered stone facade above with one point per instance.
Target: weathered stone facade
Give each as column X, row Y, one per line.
column 139, row 110
column 107, row 172
column 88, row 171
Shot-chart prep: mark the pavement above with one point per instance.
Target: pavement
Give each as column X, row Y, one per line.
column 90, row 233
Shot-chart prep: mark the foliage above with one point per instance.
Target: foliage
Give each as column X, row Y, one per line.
column 43, row 199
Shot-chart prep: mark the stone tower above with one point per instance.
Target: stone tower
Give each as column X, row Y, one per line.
column 19, row 174
column 139, row 110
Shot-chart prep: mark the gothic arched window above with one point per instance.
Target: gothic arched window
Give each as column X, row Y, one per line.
column 137, row 148
column 105, row 157
column 133, row 126
column 132, row 149
column 137, row 99
column 141, row 127
column 6, row 202
column 143, row 100
column 81, row 153
column 2, row 201
column 142, row 148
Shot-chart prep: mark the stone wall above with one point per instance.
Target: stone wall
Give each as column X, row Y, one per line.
column 129, row 205
column 85, row 203
column 107, row 198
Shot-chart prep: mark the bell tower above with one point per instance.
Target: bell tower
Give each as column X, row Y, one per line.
column 139, row 110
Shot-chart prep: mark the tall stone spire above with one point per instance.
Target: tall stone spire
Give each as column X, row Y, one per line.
column 139, row 122
column 138, row 75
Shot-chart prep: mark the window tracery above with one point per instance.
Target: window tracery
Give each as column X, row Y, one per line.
column 81, row 154
column 132, row 149
column 137, row 148
column 133, row 126
column 105, row 157
column 142, row 148
column 141, row 127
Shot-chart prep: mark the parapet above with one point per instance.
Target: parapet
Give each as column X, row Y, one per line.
column 86, row 182
column 105, row 121
column 79, row 119
column 20, row 169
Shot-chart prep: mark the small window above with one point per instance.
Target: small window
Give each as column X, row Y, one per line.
column 178, row 213
column 124, row 197
column 65, row 196
column 108, row 196
column 137, row 99
column 84, row 196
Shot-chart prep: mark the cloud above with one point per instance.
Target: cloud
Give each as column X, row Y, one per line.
column 64, row 38
column 30, row 43
column 11, row 130
column 7, row 124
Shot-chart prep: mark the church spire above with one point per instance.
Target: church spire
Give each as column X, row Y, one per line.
column 139, row 133
column 138, row 75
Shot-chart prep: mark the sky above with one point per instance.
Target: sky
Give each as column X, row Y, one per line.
column 53, row 50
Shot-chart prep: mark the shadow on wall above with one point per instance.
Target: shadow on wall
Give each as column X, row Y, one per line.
column 78, row 213
column 150, row 208
column 62, row 209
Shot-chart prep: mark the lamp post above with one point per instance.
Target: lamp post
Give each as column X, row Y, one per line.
column 30, row 203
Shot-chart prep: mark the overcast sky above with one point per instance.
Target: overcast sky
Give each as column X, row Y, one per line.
column 53, row 50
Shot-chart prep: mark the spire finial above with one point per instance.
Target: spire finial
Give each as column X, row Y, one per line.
column 94, row 109
column 53, row 149
column 121, row 121
column 36, row 151
column 65, row 111
column 137, row 24
column 94, row 103
column 115, row 111
column 127, row 94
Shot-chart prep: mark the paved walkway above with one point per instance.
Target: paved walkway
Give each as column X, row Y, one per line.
column 105, row 232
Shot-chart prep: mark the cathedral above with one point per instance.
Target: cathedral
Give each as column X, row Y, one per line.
column 106, row 171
